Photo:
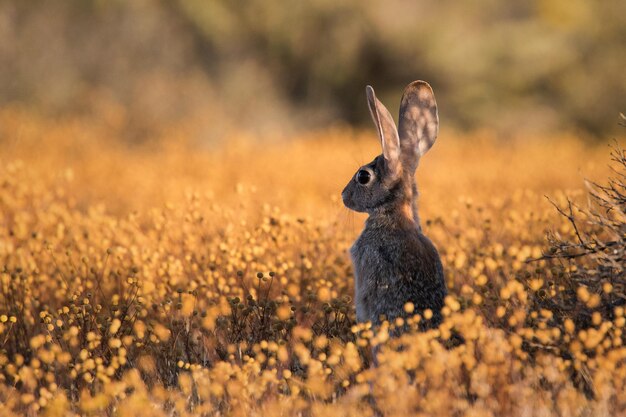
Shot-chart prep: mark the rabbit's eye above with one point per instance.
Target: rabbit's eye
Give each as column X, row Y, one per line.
column 363, row 177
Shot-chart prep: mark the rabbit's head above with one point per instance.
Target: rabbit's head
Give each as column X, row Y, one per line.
column 388, row 181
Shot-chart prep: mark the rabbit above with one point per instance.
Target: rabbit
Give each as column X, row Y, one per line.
column 394, row 263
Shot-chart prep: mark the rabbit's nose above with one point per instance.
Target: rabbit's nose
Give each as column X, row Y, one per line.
column 345, row 197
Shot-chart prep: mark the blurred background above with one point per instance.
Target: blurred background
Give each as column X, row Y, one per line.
column 273, row 68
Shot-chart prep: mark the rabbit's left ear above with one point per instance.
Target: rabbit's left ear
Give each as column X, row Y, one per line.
column 418, row 123
column 387, row 132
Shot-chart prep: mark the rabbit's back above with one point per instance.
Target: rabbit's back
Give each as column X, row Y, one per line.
column 394, row 266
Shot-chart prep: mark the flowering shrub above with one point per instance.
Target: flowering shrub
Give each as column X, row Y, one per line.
column 166, row 281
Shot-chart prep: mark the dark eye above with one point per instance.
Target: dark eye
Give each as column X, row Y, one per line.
column 363, row 177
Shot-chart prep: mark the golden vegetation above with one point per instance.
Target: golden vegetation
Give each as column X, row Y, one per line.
column 174, row 280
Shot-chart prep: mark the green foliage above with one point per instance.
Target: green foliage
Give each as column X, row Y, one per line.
column 533, row 66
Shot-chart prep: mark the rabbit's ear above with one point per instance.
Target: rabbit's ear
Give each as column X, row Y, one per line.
column 418, row 123
column 387, row 131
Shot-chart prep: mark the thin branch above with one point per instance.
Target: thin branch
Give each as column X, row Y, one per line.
column 569, row 217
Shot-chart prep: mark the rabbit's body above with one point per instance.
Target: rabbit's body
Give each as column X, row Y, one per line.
column 394, row 262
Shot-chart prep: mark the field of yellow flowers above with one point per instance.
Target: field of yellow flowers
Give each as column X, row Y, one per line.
column 172, row 279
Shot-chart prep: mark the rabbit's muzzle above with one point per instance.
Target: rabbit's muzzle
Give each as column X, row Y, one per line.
column 347, row 195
